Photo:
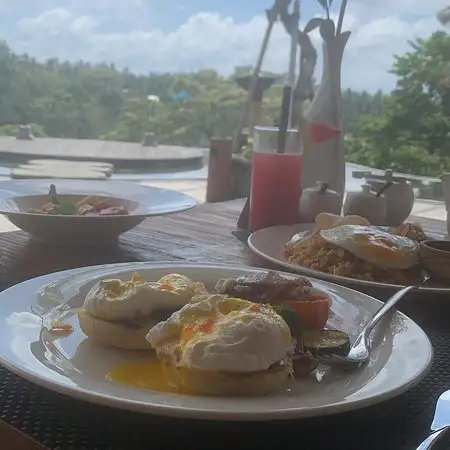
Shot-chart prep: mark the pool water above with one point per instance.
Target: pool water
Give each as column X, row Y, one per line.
column 199, row 174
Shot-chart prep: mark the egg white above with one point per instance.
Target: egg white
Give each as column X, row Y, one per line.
column 117, row 300
column 220, row 333
column 328, row 220
column 374, row 245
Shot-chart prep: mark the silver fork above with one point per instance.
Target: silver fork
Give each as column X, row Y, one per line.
column 360, row 350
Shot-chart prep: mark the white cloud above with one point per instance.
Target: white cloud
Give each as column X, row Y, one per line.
column 56, row 21
column 379, row 29
column 380, row 8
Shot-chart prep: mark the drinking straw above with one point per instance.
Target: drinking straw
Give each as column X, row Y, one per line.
column 295, row 18
column 287, row 104
column 272, row 17
column 284, row 118
column 341, row 17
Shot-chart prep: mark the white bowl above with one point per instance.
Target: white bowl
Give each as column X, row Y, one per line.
column 51, row 227
column 147, row 201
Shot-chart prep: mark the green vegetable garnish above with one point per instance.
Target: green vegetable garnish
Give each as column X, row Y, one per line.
column 326, row 341
column 68, row 209
column 291, row 318
column 65, row 208
column 53, row 195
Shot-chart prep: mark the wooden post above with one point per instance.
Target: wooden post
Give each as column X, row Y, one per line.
column 254, row 116
column 220, row 174
column 25, row 133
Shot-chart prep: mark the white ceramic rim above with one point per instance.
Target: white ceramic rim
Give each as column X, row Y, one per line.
column 8, row 212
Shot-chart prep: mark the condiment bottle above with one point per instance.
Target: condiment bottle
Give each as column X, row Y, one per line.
column 366, row 204
column 399, row 199
column 319, row 199
column 448, row 220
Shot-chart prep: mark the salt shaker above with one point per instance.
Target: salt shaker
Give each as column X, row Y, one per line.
column 445, row 180
column 319, row 199
column 399, row 199
column 366, row 204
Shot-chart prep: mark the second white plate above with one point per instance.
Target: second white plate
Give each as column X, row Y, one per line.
column 268, row 243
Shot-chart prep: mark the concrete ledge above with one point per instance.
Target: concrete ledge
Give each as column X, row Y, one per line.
column 123, row 155
column 46, row 168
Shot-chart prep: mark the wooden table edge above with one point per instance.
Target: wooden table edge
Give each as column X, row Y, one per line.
column 13, row 439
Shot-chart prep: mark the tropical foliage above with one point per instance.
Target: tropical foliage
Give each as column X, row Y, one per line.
column 413, row 132
column 407, row 130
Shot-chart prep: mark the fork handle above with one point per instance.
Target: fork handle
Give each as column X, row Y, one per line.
column 383, row 311
column 429, row 442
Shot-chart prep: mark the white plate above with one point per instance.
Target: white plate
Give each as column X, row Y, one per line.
column 74, row 366
column 268, row 243
column 143, row 202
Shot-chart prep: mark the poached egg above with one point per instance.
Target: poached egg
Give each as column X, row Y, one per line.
column 219, row 333
column 375, row 246
column 115, row 300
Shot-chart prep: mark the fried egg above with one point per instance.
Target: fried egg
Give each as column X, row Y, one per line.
column 374, row 245
column 351, row 220
column 222, row 334
column 329, row 220
column 117, row 300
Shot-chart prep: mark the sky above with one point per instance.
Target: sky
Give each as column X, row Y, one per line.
column 188, row 35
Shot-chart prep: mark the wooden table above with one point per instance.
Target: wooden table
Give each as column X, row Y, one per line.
column 199, row 235
column 202, row 234
column 13, row 439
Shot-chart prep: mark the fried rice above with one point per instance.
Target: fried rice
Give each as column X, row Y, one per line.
column 313, row 252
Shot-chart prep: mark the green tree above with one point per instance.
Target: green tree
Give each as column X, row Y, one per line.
column 416, row 117
column 444, row 16
column 82, row 100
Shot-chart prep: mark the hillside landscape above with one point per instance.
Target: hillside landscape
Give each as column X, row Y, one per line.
column 409, row 127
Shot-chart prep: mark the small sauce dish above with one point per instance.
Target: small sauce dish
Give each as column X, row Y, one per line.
column 435, row 259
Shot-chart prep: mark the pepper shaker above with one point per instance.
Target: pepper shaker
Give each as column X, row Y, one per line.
column 366, row 204
column 399, row 199
column 318, row 199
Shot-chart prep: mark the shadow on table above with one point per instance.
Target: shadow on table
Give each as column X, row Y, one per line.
column 393, row 425
column 33, row 259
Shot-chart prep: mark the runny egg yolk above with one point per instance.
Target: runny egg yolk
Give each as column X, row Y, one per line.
column 151, row 374
column 156, row 375
column 146, row 374
column 190, row 330
column 378, row 246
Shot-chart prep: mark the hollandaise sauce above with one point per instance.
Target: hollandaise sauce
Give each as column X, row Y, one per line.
column 61, row 328
column 148, row 374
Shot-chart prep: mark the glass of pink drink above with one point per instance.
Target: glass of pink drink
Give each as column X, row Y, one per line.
column 276, row 188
